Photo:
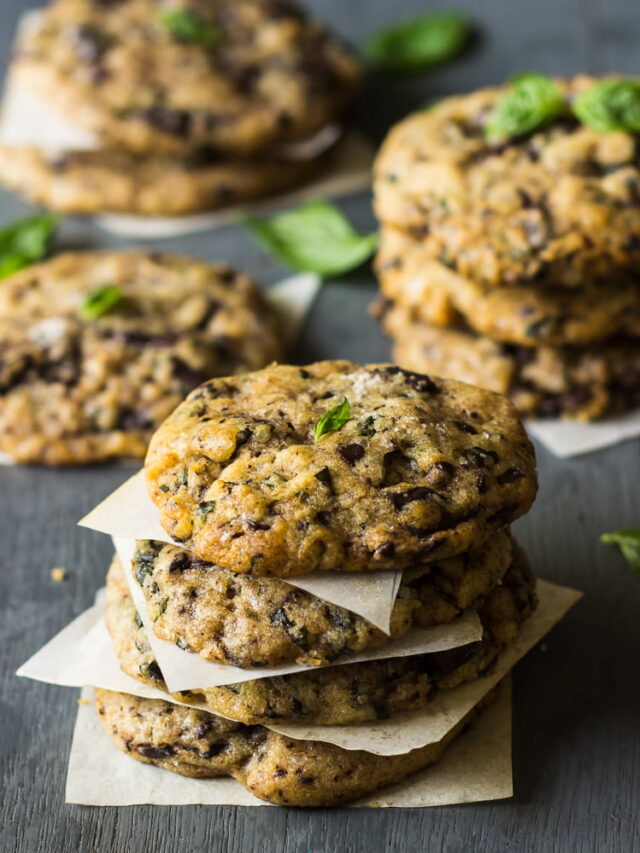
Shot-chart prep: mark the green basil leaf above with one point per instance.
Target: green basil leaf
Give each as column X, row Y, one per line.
column 532, row 101
column 100, row 301
column 187, row 27
column 25, row 242
column 314, row 238
column 610, row 105
column 419, row 42
column 628, row 540
column 334, row 419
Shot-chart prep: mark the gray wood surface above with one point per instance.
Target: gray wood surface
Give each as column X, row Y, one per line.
column 577, row 698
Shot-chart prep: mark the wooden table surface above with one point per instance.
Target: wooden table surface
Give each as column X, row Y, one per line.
column 576, row 699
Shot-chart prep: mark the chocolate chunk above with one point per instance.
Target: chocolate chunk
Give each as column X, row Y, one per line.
column 173, row 122
column 155, row 752
column 509, row 476
column 385, row 551
column 351, row 453
column 464, row 427
column 418, row 493
column 477, row 457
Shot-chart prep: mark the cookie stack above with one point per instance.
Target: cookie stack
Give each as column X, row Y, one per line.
column 99, row 347
column 190, row 105
column 269, row 477
column 514, row 263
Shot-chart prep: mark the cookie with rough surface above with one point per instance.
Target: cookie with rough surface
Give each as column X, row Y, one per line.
column 256, row 622
column 583, row 383
column 275, row 768
column 560, row 206
column 422, row 469
column 342, row 694
column 114, row 181
column 515, row 314
column 75, row 390
column 232, row 75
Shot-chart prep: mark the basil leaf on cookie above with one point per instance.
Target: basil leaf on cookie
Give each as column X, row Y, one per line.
column 532, row 101
column 314, row 238
column 189, row 28
column 100, row 301
column 334, row 419
column 419, row 43
column 25, row 242
column 628, row 540
column 609, row 106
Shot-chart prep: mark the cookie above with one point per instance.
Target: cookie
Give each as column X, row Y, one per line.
column 336, row 695
column 558, row 207
column 241, row 75
column 77, row 390
column 114, row 181
column 256, row 622
column 422, row 469
column 275, row 768
column 515, row 314
column 582, row 383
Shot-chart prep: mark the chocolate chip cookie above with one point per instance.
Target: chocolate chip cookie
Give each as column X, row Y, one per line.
column 337, row 695
column 256, row 622
column 114, row 181
column 581, row 383
column 275, row 768
column 525, row 315
column 421, row 469
column 558, row 207
column 234, row 75
column 99, row 347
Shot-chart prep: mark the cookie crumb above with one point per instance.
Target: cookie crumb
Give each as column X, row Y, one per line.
column 58, row 575
column 83, row 702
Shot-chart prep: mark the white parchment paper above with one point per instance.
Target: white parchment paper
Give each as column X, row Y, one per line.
column 82, row 654
column 476, row 767
column 571, row 438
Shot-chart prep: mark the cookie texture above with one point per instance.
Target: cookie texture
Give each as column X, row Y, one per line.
column 423, row 469
column 524, row 315
column 240, row 76
column 76, row 390
column 559, row 207
column 115, row 181
column 255, row 622
column 336, row 695
column 275, row 768
column 580, row 383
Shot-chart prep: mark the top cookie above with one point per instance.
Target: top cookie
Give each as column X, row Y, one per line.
column 78, row 387
column 559, row 206
column 422, row 469
column 239, row 75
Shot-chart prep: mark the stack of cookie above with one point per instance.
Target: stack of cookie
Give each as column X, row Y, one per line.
column 189, row 105
column 269, row 476
column 99, row 347
column 514, row 263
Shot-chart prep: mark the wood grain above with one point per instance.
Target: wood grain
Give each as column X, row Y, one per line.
column 577, row 698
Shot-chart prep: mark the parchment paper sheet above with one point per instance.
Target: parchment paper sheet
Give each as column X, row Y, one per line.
column 369, row 594
column 82, row 654
column 567, row 438
column 476, row 767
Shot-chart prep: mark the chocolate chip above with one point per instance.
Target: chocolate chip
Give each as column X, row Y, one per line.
column 173, row 122
column 440, row 473
column 509, row 476
column 256, row 525
column 155, row 752
column 477, row 457
column 401, row 499
column 464, row 427
column 351, row 453
column 180, row 563
column 385, row 551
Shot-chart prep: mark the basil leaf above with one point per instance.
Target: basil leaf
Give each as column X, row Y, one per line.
column 334, row 419
column 100, row 301
column 419, row 42
column 629, row 543
column 25, row 242
column 532, row 101
column 314, row 238
column 187, row 27
column 610, row 105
